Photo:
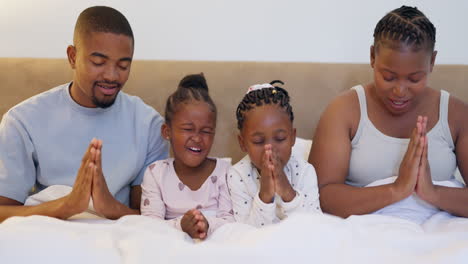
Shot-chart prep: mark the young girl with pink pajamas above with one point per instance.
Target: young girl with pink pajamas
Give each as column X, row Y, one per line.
column 189, row 190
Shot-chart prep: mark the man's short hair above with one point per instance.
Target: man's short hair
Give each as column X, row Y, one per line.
column 101, row 19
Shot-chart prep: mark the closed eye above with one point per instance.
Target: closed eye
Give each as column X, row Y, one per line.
column 97, row 63
column 414, row 80
column 124, row 65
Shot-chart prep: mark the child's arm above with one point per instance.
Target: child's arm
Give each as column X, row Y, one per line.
column 247, row 205
column 304, row 182
column 224, row 213
column 151, row 199
column 152, row 203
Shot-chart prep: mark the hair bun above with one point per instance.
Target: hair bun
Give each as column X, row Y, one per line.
column 194, row 81
column 276, row 81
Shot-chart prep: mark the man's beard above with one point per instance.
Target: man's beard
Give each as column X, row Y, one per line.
column 105, row 103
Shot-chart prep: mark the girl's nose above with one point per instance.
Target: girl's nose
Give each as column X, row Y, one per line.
column 196, row 137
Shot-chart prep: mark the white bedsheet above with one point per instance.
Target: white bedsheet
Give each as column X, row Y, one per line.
column 302, row 238
column 298, row 239
column 413, row 208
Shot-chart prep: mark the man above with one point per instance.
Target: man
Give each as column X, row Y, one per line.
column 43, row 139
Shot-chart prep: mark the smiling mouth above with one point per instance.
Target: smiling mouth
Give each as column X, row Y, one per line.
column 108, row 89
column 398, row 103
column 194, row 149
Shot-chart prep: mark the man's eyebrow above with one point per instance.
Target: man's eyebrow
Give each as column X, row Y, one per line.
column 97, row 54
column 126, row 59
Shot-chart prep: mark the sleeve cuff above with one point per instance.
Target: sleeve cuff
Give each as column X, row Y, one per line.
column 293, row 204
column 264, row 207
column 176, row 222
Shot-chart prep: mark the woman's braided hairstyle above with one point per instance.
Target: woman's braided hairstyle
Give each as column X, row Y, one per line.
column 405, row 25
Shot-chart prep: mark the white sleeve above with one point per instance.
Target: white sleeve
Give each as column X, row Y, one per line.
column 307, row 195
column 247, row 208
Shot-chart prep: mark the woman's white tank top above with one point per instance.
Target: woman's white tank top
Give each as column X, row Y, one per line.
column 376, row 156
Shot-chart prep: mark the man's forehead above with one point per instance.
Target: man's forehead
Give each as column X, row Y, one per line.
column 103, row 43
column 91, row 36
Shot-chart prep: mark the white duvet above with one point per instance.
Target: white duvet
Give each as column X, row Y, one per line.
column 298, row 239
column 301, row 238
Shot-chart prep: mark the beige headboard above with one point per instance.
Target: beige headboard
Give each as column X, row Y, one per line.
column 311, row 86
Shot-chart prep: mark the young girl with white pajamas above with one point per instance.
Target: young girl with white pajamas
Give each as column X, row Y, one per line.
column 189, row 190
column 269, row 183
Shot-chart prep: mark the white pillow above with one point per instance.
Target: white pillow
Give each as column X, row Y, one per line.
column 302, row 148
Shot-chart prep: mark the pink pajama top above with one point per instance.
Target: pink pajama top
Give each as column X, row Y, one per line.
column 164, row 196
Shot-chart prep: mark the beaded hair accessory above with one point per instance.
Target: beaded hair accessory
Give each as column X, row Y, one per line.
column 259, row 87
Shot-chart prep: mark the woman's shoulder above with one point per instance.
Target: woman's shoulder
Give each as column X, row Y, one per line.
column 343, row 112
column 343, row 104
column 457, row 116
column 457, row 106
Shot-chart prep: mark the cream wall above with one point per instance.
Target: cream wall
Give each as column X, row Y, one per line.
column 231, row 30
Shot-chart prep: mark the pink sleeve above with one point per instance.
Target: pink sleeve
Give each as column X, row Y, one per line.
column 151, row 199
column 224, row 213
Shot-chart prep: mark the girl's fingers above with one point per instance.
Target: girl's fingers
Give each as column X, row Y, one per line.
column 202, row 235
column 189, row 216
column 201, row 226
column 193, row 220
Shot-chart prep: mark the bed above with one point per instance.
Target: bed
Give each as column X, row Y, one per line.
column 302, row 238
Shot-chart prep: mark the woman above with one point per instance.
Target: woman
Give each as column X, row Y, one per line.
column 378, row 130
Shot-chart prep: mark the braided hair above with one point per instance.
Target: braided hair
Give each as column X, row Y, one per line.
column 405, row 25
column 191, row 87
column 276, row 95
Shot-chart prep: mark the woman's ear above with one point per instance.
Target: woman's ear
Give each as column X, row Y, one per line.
column 166, row 131
column 241, row 143
column 71, row 54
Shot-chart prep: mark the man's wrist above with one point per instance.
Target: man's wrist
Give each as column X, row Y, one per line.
column 115, row 209
column 64, row 209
